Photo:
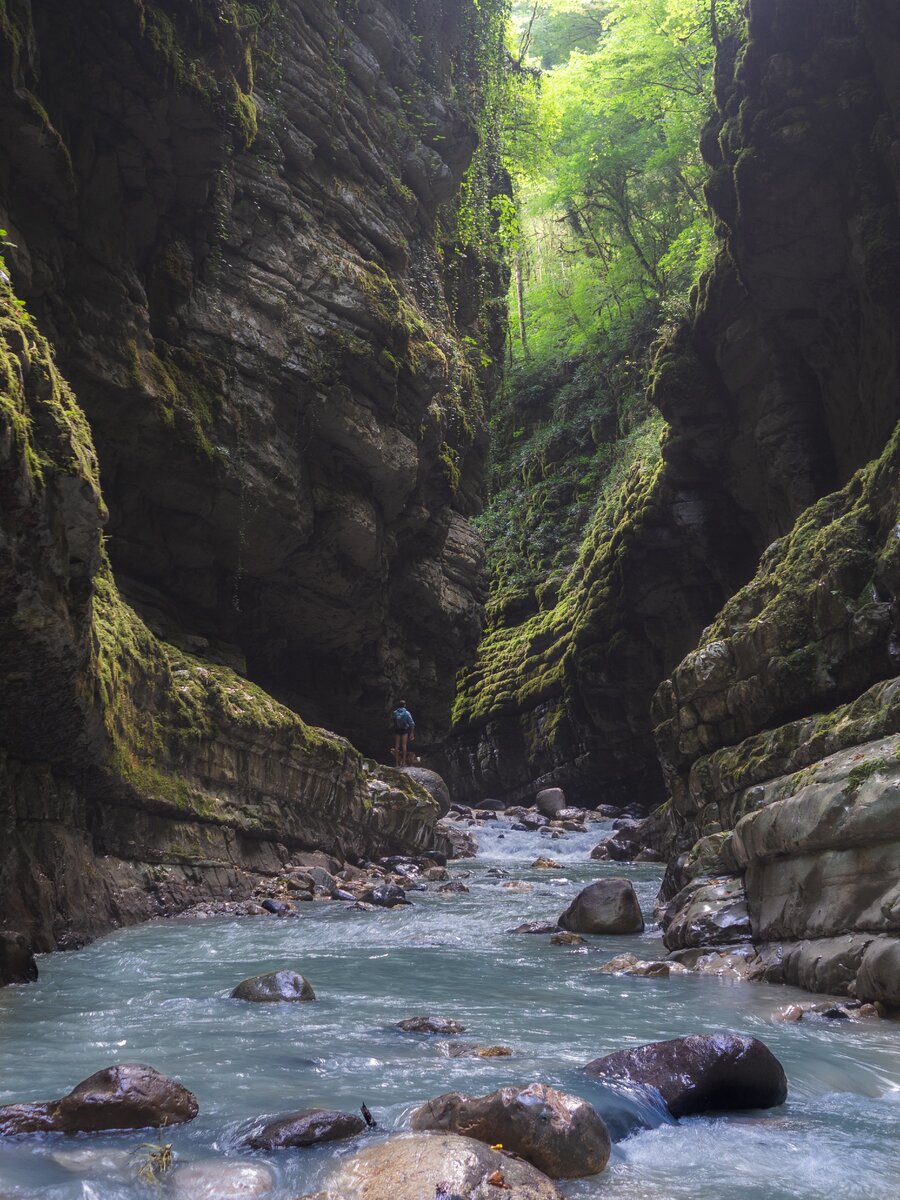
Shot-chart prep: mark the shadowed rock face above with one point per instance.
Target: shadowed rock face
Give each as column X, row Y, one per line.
column 702, row 1073
column 240, row 272
column 607, row 906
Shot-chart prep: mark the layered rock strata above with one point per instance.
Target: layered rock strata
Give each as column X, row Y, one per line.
column 236, row 223
column 781, row 741
column 134, row 777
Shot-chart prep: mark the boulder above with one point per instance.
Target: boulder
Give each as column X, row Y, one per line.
column 550, row 801
column 563, row 937
column 442, row 1025
column 701, row 1073
column 618, row 848
column 428, row 1165
column 535, row 927
column 384, row 895
column 493, row 805
column 275, row 986
column 559, row 1134
column 606, row 906
column 125, row 1096
column 473, row 1050
column 17, row 963
column 546, row 864
column 433, row 785
column 463, row 845
column 455, row 885
column 221, row 1179
column 306, row 1128
column 531, row 821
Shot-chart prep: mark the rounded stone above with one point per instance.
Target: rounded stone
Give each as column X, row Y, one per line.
column 550, row 801
column 560, row 1134
column 416, row 1166
column 307, row 1128
column 125, row 1096
column 284, row 985
column 606, row 906
column 701, row 1073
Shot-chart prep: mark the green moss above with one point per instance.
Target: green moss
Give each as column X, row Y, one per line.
column 187, row 387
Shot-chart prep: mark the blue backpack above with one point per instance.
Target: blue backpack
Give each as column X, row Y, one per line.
column 401, row 721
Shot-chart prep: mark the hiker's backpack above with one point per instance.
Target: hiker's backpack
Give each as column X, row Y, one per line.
column 401, row 721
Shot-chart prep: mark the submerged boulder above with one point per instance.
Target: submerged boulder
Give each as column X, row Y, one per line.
column 275, row 986
column 559, row 1134
column 221, row 1179
column 701, row 1073
column 607, row 906
column 125, row 1096
column 444, row 1025
column 307, row 1128
column 426, row 1165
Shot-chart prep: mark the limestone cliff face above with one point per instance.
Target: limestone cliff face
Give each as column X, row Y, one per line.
column 785, row 382
column 239, row 437
column 236, row 224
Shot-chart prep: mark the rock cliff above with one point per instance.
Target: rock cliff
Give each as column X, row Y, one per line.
column 776, row 736
column 240, row 436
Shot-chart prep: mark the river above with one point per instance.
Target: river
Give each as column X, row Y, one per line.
column 159, row 993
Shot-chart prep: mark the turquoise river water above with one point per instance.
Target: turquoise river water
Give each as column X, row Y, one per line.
column 160, row 994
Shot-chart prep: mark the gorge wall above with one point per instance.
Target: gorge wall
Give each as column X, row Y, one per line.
column 776, row 737
column 241, row 436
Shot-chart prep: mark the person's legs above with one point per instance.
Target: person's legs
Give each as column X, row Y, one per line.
column 397, row 761
column 403, row 740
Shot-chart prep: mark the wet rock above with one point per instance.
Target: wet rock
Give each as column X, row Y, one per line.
column 463, row 844
column 118, row 1165
column 630, row 964
column 535, row 927
column 606, row 906
column 423, row 1166
column 221, row 1179
column 300, row 883
column 546, row 864
column 437, row 874
column 573, row 814
column 573, row 827
column 649, row 856
column 285, row 985
column 307, row 1128
column 492, row 805
column 386, row 895
column 701, row 1073
column 564, row 938
column 708, row 912
column 618, row 848
column 433, row 784
column 341, row 894
column 17, row 964
column 550, row 801
column 433, row 1025
column 126, row 1096
column 278, row 907
column 558, row 1133
column 532, row 821
column 454, row 887
column 473, row 1050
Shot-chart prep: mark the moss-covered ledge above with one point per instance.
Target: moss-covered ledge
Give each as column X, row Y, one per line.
column 120, row 753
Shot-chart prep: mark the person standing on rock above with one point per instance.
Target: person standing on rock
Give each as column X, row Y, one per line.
column 404, row 728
